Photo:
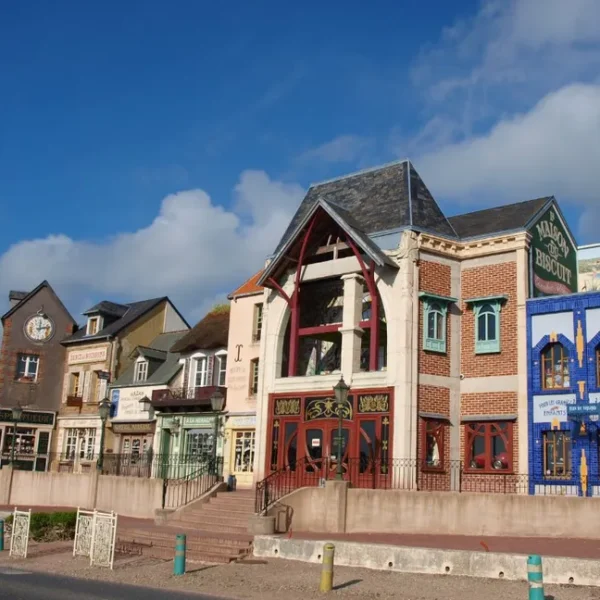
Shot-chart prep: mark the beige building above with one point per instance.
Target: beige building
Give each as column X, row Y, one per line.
column 243, row 349
column 96, row 355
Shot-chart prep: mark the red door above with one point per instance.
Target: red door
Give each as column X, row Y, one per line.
column 321, row 448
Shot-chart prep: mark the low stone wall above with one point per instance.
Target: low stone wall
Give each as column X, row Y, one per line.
column 127, row 496
column 337, row 509
column 574, row 571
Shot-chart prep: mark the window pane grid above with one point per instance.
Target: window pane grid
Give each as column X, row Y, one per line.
column 557, row 454
column 555, row 367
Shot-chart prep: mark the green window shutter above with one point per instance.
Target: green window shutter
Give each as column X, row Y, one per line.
column 487, row 326
column 434, row 325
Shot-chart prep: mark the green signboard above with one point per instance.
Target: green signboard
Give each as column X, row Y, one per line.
column 553, row 257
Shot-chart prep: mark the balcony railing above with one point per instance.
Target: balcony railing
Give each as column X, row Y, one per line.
column 198, row 396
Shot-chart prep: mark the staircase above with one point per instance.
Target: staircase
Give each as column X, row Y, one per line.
column 217, row 531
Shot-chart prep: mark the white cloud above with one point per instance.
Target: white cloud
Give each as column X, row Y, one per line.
column 193, row 251
column 553, row 149
column 341, row 149
column 509, row 54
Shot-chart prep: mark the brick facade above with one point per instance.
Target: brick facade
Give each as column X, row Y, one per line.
column 435, row 278
column 480, row 282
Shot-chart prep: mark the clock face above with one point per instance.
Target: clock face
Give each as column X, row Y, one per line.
column 39, row 328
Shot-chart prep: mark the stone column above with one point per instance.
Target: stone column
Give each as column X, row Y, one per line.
column 350, row 330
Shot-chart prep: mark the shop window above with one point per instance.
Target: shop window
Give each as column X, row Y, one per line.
column 27, row 367
column 258, row 322
column 433, row 438
column 254, row 377
column 487, row 328
column 24, row 440
column 488, row 447
column 291, row 446
column 80, row 443
column 434, row 330
column 141, row 370
column 200, row 444
column 222, row 375
column 201, row 372
column 557, row 453
column 244, row 452
column 555, row 367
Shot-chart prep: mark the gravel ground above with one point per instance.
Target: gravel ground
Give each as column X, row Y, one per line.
column 291, row 580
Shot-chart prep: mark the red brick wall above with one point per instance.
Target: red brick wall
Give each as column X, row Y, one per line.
column 478, row 282
column 4, row 357
column 434, row 278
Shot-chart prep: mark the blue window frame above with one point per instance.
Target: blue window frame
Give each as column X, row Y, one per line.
column 487, row 323
column 435, row 312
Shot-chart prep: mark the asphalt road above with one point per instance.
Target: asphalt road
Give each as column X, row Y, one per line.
column 17, row 584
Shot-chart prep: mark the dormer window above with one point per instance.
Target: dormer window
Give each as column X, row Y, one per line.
column 141, row 370
column 93, row 325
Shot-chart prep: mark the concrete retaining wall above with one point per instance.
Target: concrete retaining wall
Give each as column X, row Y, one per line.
column 129, row 496
column 52, row 489
column 401, row 559
column 337, row 509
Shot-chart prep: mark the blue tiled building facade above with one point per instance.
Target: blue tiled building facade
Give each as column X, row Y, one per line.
column 563, row 357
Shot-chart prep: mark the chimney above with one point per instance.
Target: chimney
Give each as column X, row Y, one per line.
column 15, row 297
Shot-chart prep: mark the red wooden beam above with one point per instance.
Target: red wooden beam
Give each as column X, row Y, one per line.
column 303, row 331
column 295, row 304
column 280, row 290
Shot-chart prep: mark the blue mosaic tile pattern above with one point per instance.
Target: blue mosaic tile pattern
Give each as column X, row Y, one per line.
column 577, row 304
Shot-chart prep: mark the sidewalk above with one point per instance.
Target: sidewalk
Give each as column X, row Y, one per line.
column 567, row 547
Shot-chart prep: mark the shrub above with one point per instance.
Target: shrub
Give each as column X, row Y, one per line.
column 50, row 527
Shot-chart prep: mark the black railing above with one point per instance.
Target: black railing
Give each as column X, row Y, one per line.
column 405, row 474
column 179, row 491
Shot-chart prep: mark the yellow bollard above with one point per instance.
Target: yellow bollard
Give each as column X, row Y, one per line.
column 327, row 569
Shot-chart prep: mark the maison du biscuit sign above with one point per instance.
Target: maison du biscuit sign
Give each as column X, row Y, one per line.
column 88, row 356
column 554, row 257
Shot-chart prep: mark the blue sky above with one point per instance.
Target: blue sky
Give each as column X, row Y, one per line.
column 137, row 137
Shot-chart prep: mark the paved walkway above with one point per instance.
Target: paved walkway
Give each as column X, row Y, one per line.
column 569, row 547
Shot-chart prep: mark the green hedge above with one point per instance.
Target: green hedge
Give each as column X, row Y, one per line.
column 46, row 527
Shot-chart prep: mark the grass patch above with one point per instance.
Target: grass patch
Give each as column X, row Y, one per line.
column 50, row 527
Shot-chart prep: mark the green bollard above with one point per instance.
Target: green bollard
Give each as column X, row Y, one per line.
column 1, row 535
column 179, row 564
column 535, row 577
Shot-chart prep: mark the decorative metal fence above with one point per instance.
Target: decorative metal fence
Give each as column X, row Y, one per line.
column 179, row 491
column 403, row 474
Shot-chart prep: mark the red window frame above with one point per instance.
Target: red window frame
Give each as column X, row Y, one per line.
column 437, row 430
column 489, row 430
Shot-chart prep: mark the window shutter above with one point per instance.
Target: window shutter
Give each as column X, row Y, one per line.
column 211, row 369
column 86, row 386
column 186, row 373
column 43, row 442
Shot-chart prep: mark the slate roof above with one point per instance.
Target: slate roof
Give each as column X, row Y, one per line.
column 31, row 294
column 249, row 287
column 163, row 365
column 108, row 308
column 210, row 333
column 510, row 217
column 380, row 199
column 134, row 311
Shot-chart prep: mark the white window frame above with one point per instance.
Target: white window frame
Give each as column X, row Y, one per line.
column 30, row 359
column 247, row 443
column 80, row 443
column 201, row 361
column 98, row 321
column 222, row 371
column 254, row 370
column 257, row 322
column 141, row 370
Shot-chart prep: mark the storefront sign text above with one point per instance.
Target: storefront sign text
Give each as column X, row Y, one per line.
column 548, row 408
column 88, row 356
column 132, row 428
column 29, row 417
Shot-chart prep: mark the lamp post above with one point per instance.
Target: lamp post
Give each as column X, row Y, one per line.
column 17, row 413
column 104, row 411
column 340, row 390
column 217, row 402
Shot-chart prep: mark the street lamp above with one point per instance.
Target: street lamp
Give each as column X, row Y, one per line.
column 17, row 413
column 146, row 404
column 104, row 411
column 340, row 390
column 217, row 402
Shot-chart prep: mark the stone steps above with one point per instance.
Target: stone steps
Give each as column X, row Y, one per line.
column 216, row 531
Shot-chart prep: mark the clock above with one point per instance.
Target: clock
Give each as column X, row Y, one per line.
column 39, row 328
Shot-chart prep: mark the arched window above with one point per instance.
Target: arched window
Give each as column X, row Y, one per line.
column 435, row 311
column 435, row 322
column 487, row 328
column 555, row 367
